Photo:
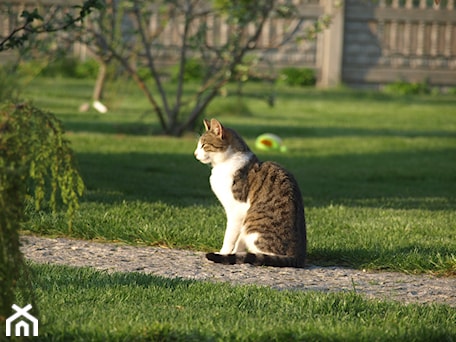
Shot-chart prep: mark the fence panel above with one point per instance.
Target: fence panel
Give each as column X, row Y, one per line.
column 411, row 40
column 167, row 46
column 369, row 42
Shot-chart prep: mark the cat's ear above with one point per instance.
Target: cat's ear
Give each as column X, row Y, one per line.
column 217, row 128
column 207, row 124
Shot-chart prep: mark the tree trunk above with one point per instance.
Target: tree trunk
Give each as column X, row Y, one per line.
column 100, row 82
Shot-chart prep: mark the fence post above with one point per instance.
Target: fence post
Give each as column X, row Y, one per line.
column 333, row 45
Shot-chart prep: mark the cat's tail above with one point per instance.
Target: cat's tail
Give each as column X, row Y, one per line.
column 256, row 259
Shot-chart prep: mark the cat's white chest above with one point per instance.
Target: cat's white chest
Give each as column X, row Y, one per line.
column 222, row 179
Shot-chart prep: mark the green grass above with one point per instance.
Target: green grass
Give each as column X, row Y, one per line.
column 86, row 305
column 378, row 178
column 377, row 173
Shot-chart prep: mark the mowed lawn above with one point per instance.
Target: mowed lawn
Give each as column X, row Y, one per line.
column 378, row 176
column 378, row 173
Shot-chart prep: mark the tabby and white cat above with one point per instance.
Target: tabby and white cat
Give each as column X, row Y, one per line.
column 262, row 201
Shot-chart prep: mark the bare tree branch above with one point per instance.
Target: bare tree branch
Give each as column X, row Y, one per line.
column 188, row 10
column 20, row 34
column 124, row 31
column 150, row 59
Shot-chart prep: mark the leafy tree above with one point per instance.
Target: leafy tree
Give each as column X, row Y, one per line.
column 123, row 32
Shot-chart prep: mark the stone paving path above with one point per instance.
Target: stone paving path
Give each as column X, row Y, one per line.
column 185, row 264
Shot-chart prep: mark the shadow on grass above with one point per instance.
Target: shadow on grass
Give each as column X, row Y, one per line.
column 251, row 132
column 400, row 180
column 121, row 128
column 170, row 178
column 349, row 95
column 392, row 259
column 340, row 95
column 84, row 278
column 334, row 132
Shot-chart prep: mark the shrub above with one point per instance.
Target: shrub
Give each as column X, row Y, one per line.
column 86, row 69
column 32, row 68
column 452, row 91
column 61, row 67
column 298, row 76
column 35, row 160
column 407, row 88
column 194, row 70
column 229, row 107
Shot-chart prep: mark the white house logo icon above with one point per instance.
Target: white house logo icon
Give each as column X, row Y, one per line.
column 22, row 325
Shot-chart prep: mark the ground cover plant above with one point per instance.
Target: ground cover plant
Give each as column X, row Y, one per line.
column 377, row 175
column 376, row 172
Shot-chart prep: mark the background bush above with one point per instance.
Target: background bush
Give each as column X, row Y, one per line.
column 194, row 70
column 407, row 88
column 61, row 67
column 298, row 76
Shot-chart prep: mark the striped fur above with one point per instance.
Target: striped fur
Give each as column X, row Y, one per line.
column 262, row 201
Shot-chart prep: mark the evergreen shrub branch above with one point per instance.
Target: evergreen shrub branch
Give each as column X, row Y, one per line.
column 35, row 161
column 33, row 147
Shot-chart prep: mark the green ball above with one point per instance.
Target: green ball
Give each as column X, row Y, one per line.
column 269, row 142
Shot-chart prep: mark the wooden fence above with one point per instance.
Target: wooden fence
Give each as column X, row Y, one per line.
column 410, row 40
column 367, row 43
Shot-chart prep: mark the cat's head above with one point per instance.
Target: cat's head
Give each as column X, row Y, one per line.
column 218, row 143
